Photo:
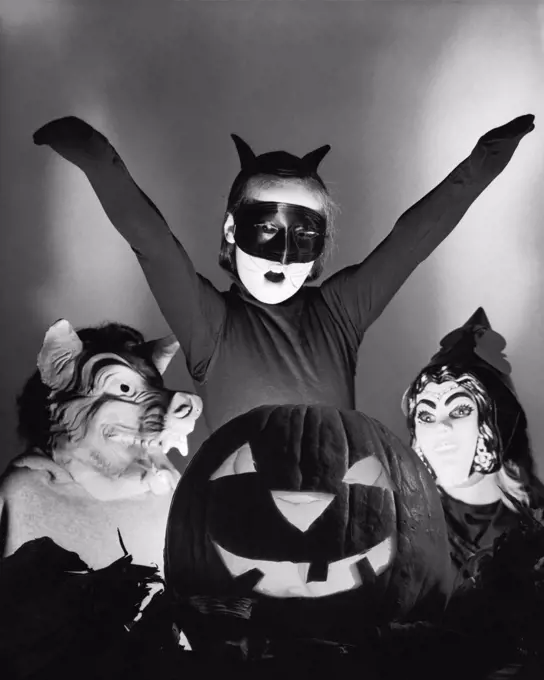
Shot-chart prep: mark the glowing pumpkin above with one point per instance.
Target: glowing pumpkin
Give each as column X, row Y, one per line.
column 318, row 515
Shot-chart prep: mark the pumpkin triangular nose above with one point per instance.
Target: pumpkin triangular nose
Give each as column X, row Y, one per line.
column 300, row 508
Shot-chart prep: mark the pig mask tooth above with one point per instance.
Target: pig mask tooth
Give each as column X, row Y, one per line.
column 121, row 438
column 171, row 441
column 159, row 442
column 126, row 439
column 148, row 444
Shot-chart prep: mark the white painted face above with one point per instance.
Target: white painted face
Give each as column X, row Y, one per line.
column 446, row 431
column 254, row 272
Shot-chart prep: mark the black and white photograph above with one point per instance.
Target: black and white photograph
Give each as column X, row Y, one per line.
column 272, row 385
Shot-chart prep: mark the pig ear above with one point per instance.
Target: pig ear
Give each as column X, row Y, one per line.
column 161, row 351
column 57, row 358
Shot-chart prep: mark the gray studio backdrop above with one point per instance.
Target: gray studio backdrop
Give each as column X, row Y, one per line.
column 401, row 91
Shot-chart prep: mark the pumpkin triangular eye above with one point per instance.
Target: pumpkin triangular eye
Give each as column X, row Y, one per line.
column 370, row 472
column 238, row 463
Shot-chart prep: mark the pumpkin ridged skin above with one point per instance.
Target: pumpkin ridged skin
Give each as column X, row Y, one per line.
column 311, row 448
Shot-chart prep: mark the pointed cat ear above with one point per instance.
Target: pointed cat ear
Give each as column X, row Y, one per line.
column 57, row 358
column 314, row 158
column 161, row 351
column 246, row 155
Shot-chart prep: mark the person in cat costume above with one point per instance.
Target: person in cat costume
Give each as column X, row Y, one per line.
column 271, row 338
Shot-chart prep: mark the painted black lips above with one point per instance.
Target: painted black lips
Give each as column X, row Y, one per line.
column 275, row 277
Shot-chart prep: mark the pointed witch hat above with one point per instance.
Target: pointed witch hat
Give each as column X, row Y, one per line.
column 476, row 344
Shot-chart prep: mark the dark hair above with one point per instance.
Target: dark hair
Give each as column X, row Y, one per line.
column 501, row 418
column 237, row 196
column 33, row 421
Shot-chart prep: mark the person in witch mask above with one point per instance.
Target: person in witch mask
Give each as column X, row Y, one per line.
column 467, row 425
column 272, row 339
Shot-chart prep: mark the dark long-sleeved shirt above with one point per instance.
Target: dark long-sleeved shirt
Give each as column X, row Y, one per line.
column 243, row 353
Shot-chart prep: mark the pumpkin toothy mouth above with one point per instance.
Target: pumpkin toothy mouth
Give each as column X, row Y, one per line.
column 289, row 579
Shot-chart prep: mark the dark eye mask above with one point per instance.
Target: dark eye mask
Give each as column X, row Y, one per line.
column 280, row 232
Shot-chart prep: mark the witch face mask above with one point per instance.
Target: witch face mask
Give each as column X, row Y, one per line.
column 280, row 232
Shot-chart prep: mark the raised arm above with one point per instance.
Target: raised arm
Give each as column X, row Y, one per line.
column 192, row 307
column 363, row 291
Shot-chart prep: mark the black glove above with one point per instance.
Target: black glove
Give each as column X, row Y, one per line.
column 76, row 141
column 494, row 150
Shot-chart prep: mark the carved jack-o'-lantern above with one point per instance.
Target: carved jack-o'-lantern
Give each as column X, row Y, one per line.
column 312, row 512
